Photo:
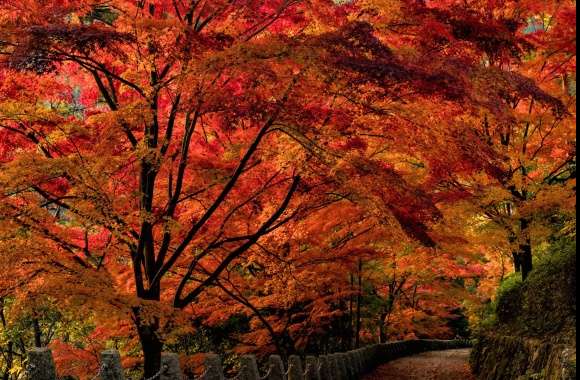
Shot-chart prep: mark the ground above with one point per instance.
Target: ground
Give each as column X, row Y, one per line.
column 435, row 365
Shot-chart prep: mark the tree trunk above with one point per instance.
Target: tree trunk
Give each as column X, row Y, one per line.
column 9, row 361
column 351, row 314
column 346, row 332
column 37, row 332
column 517, row 262
column 525, row 249
column 150, row 343
column 148, row 331
column 382, row 330
column 515, row 253
column 526, row 258
column 287, row 344
column 9, row 353
column 358, row 306
column 384, row 316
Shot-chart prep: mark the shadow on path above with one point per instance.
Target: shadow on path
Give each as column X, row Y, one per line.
column 434, row 365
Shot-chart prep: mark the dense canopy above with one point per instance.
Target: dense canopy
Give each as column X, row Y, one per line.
column 282, row 176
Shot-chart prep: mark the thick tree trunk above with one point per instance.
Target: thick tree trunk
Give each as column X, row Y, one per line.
column 148, row 331
column 150, row 344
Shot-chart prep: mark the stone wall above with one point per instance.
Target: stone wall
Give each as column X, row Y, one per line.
column 349, row 365
column 508, row 357
column 533, row 336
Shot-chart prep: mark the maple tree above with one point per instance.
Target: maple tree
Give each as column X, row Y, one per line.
column 533, row 141
column 149, row 101
column 172, row 158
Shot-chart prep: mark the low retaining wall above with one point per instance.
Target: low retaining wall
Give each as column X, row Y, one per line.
column 509, row 357
column 349, row 365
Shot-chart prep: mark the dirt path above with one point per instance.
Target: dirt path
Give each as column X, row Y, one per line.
column 435, row 365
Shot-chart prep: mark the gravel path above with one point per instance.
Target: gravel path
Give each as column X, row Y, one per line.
column 434, row 365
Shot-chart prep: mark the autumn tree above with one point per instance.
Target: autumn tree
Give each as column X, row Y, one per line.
column 145, row 133
column 529, row 50
column 150, row 147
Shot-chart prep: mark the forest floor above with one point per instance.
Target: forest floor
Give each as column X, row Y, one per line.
column 434, row 365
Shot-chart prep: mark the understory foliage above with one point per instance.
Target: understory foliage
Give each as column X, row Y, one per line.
column 273, row 175
column 544, row 306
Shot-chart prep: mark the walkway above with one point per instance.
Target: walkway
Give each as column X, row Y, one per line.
column 434, row 365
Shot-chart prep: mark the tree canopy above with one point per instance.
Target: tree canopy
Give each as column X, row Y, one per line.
column 302, row 175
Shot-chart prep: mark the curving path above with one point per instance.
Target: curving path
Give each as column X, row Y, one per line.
column 433, row 365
